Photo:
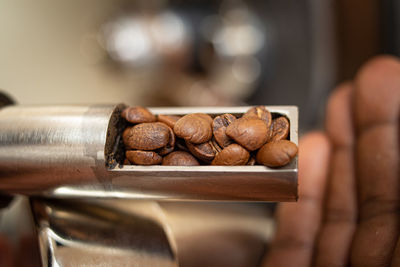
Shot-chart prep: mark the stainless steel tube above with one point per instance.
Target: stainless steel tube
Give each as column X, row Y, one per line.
column 72, row 151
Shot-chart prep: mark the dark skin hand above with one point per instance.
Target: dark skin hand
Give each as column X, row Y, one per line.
column 348, row 213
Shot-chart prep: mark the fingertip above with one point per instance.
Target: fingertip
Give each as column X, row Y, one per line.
column 313, row 145
column 338, row 121
column 313, row 164
column 377, row 91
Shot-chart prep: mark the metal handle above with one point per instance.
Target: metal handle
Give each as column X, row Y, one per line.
column 70, row 151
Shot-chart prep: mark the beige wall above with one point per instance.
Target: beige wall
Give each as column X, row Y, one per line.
column 49, row 54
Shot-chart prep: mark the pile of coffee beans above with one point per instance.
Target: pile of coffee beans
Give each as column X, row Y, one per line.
column 198, row 139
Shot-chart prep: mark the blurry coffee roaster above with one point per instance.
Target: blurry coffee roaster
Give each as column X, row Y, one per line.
column 226, row 53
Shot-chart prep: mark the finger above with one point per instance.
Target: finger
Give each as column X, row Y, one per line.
column 340, row 209
column 298, row 223
column 376, row 107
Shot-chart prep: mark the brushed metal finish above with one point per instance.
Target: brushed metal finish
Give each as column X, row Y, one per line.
column 102, row 233
column 47, row 146
column 123, row 232
column 63, row 152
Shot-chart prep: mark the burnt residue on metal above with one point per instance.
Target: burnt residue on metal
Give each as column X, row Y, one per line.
column 114, row 148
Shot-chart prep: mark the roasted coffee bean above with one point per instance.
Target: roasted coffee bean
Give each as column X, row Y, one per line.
column 194, row 128
column 279, row 129
column 146, row 136
column 251, row 133
column 180, row 158
column 127, row 162
column 260, row 112
column 276, row 154
column 138, row 115
column 205, row 151
column 141, row 157
column 219, row 129
column 205, row 116
column 169, row 147
column 232, row 155
column 169, row 120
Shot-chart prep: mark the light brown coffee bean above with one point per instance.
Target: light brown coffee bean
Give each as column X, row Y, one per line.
column 169, row 147
column 260, row 112
column 194, row 128
column 279, row 129
column 140, row 157
column 276, row 154
column 205, row 151
column 169, row 120
column 251, row 133
column 205, row 116
column 146, row 136
column 232, row 155
column 180, row 158
column 219, row 129
column 138, row 115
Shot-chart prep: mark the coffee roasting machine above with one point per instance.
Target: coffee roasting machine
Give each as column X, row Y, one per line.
column 90, row 209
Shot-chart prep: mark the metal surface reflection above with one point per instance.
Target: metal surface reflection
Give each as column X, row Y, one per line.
column 146, row 233
column 102, row 233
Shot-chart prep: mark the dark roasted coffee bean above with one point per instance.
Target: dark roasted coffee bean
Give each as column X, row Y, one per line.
column 169, row 147
column 279, row 129
column 205, row 151
column 260, row 112
column 232, row 155
column 138, row 115
column 276, row 154
column 140, row 157
column 180, row 158
column 219, row 129
column 169, row 120
column 251, row 133
column 194, row 128
column 146, row 136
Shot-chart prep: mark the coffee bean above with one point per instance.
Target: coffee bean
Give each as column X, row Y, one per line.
column 276, row 154
column 259, row 112
column 169, row 120
column 194, row 128
column 141, row 157
column 180, row 158
column 205, row 116
column 205, row 151
column 219, row 129
column 138, row 115
column 251, row 133
column 127, row 162
column 169, row 147
column 279, row 129
column 146, row 136
column 232, row 155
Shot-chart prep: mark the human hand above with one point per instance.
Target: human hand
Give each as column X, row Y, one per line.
column 348, row 212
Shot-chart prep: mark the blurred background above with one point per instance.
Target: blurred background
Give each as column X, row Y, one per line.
column 187, row 53
column 161, row 53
